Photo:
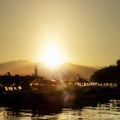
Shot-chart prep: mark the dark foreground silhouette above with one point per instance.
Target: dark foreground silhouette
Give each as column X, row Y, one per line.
column 55, row 101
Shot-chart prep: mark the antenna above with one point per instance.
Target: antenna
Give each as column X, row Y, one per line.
column 36, row 71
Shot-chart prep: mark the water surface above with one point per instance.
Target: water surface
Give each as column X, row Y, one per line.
column 102, row 111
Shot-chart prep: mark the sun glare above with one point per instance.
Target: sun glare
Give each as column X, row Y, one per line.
column 52, row 56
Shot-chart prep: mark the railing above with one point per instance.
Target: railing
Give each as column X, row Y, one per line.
column 11, row 88
column 95, row 84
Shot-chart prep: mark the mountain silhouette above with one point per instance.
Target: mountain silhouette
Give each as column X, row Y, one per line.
column 65, row 71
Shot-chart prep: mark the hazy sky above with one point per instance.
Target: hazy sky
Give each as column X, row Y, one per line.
column 87, row 31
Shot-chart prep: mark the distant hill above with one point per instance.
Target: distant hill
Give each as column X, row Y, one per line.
column 65, row 71
column 98, row 67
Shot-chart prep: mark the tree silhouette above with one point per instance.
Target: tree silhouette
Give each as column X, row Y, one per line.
column 107, row 74
column 118, row 62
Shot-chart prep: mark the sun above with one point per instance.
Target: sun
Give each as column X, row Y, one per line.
column 52, row 56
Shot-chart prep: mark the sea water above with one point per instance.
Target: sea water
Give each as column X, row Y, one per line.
column 102, row 111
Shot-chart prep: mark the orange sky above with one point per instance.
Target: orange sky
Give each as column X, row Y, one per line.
column 86, row 31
